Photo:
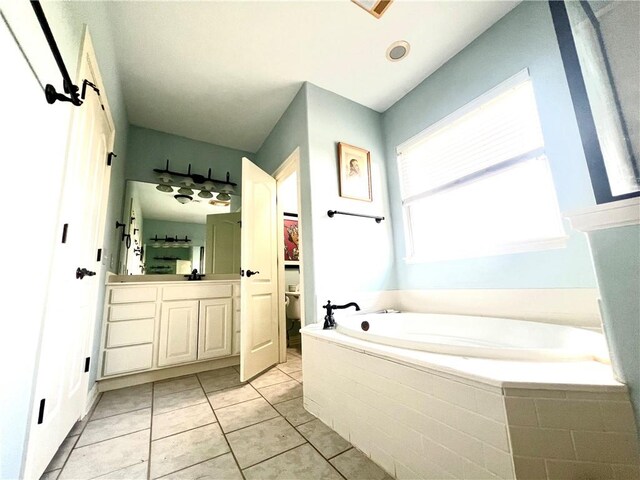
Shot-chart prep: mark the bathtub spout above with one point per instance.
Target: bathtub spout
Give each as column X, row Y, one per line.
column 329, row 321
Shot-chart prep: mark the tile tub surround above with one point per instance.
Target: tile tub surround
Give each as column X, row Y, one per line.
column 165, row 430
column 431, row 421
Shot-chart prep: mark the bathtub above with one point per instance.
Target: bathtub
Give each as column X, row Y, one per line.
column 446, row 396
column 471, row 336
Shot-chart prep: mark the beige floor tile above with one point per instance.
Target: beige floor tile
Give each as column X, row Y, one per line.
column 281, row 392
column 328, row 442
column 219, row 372
column 123, row 400
column 185, row 449
column 301, row 463
column 182, row 419
column 115, row 426
column 231, row 396
column 177, row 400
column 291, row 365
column 264, row 440
column 294, row 352
column 134, row 472
column 294, row 412
column 52, row 475
column 220, row 468
column 213, row 384
column 175, row 385
column 62, row 454
column 354, row 465
column 271, row 377
column 297, row 376
column 244, row 414
column 108, row 456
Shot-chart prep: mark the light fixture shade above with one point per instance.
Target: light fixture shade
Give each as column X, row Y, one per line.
column 187, row 182
column 208, row 185
column 225, row 197
column 164, row 188
column 226, row 188
column 185, row 191
column 165, row 177
column 205, row 194
column 183, row 198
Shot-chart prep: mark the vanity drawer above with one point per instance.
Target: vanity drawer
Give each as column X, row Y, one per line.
column 133, row 294
column 128, row 359
column 132, row 312
column 194, row 292
column 129, row 332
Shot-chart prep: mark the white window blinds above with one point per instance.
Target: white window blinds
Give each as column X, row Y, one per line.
column 485, row 134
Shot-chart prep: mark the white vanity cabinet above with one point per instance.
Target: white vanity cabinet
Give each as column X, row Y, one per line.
column 157, row 325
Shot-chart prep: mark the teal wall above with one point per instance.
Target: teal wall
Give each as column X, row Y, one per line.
column 291, row 132
column 148, row 149
column 67, row 21
column 616, row 255
column 524, row 38
column 350, row 254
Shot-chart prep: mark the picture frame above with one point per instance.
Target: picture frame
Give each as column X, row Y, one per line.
column 354, row 167
column 291, row 239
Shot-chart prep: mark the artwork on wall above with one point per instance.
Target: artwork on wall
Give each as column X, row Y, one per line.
column 291, row 239
column 355, row 172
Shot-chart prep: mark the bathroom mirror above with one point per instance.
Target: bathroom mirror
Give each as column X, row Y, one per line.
column 167, row 236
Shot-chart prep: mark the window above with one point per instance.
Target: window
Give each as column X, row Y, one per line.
column 478, row 182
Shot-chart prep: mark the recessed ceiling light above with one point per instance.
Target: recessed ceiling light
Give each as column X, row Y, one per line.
column 398, row 50
column 374, row 7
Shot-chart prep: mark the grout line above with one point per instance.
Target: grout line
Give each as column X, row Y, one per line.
column 200, row 402
column 122, row 413
column 153, row 388
column 113, row 438
column 251, row 425
column 277, row 454
column 64, row 464
column 189, row 466
column 184, row 431
column 224, row 435
column 345, row 451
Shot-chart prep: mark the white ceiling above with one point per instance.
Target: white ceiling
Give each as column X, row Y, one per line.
column 224, row 72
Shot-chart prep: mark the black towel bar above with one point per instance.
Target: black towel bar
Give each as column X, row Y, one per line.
column 331, row 213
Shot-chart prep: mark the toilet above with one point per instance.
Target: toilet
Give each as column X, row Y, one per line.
column 292, row 302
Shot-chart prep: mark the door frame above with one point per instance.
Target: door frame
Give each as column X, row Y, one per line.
column 290, row 165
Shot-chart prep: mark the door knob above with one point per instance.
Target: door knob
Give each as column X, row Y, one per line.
column 250, row 273
column 82, row 272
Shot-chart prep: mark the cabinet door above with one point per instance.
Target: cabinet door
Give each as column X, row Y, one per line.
column 178, row 332
column 215, row 329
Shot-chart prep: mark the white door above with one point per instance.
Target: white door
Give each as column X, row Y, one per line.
column 222, row 250
column 259, row 284
column 178, row 332
column 214, row 328
column 61, row 383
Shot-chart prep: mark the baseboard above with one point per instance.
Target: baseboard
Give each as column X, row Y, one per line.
column 106, row 384
column 92, row 398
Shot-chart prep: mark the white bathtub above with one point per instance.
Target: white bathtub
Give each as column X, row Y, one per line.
column 471, row 336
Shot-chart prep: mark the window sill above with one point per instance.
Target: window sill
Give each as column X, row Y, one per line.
column 522, row 247
column 608, row 215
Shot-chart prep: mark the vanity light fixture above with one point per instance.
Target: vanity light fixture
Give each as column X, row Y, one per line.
column 187, row 182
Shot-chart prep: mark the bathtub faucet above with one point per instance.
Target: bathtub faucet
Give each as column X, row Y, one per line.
column 329, row 321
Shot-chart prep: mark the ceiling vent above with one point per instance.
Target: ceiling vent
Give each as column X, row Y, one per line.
column 374, row 7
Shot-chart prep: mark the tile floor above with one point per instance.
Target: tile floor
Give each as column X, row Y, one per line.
column 209, row 426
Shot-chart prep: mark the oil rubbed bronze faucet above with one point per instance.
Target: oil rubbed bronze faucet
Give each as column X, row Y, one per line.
column 329, row 321
column 194, row 275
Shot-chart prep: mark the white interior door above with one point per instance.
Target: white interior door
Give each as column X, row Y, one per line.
column 61, row 383
column 259, row 284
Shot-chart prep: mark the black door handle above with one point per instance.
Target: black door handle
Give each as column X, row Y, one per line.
column 82, row 272
column 250, row 273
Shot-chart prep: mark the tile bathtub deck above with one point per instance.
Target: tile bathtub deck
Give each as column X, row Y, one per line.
column 209, row 426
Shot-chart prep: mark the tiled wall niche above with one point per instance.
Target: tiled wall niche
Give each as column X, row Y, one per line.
column 417, row 423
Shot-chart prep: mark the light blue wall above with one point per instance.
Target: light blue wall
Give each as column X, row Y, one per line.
column 67, row 21
column 291, row 132
column 148, row 149
column 616, row 255
column 350, row 254
column 524, row 38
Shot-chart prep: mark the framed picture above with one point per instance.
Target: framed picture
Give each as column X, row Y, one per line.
column 355, row 172
column 291, row 239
